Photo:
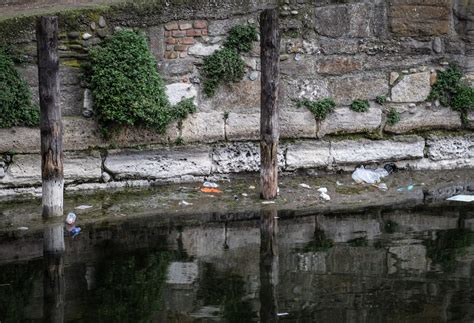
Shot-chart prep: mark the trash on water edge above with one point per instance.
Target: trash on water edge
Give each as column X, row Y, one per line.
column 75, row 231
column 303, row 185
column 382, row 186
column 71, row 218
column 408, row 188
column 462, row 198
column 210, row 190
column 339, row 183
column 283, row 314
column 268, row 202
column 323, row 190
column 83, row 207
column 210, row 184
column 251, row 187
column 245, row 194
column 23, row 228
column 325, row 197
column 369, row 176
column 183, row 202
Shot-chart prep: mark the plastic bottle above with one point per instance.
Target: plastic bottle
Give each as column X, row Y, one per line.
column 71, row 218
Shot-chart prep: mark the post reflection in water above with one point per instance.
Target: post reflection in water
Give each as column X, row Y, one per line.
column 268, row 265
column 53, row 278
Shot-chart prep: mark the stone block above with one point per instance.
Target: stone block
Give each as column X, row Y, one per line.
column 428, row 164
column 470, row 120
column 203, row 127
column 420, row 117
column 365, row 151
column 156, row 37
column 420, row 17
column 241, row 97
column 129, row 136
column 450, row 147
column 308, row 154
column 159, row 164
column 242, row 126
column 345, row 120
column 240, row 157
column 78, row 167
column 179, row 91
column 201, row 50
column 176, row 68
column 338, row 65
column 412, row 88
column 365, row 86
column 295, row 124
column 332, row 21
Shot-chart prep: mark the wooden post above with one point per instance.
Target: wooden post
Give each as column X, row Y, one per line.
column 50, row 120
column 53, row 280
column 268, row 265
column 269, row 124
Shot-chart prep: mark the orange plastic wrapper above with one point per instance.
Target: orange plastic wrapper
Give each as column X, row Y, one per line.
column 210, row 190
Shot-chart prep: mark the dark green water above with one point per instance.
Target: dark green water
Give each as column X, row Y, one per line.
column 381, row 265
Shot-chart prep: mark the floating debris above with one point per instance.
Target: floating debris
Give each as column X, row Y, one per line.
column 185, row 203
column 210, row 190
column 71, row 218
column 23, row 228
column 210, row 184
column 83, row 207
column 305, row 186
column 268, row 202
column 462, row 198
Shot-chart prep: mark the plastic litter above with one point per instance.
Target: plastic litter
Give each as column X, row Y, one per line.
column 268, row 202
column 75, row 231
column 462, row 198
column 71, row 218
column 185, row 203
column 390, row 168
column 83, row 207
column 251, row 187
column 210, row 190
column 339, row 183
column 283, row 314
column 245, row 194
column 305, row 185
column 210, row 184
column 23, row 228
column 382, row 186
column 408, row 188
column 369, row 176
column 323, row 190
column 325, row 197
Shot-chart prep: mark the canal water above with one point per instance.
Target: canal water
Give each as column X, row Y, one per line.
column 383, row 264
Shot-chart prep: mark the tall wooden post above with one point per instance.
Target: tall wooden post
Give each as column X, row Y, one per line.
column 269, row 124
column 50, row 120
column 269, row 265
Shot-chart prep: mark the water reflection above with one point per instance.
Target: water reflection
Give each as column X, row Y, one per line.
column 54, row 289
column 409, row 265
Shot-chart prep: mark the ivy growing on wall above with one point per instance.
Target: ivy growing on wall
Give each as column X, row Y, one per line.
column 16, row 107
column 452, row 92
column 226, row 65
column 319, row 108
column 127, row 88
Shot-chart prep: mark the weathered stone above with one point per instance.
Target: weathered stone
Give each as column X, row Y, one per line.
column 129, row 136
column 243, row 126
column 437, row 45
column 338, row 65
column 78, row 167
column 221, row 27
column 240, row 157
column 106, row 177
column 409, row 257
column 87, row 105
column 203, row 127
column 102, row 22
column 241, row 97
column 86, row 36
column 428, row 164
column 345, row 120
column 200, row 49
column 347, row 89
column 308, row 154
column 295, row 124
column 158, row 164
column 420, row 118
column 412, row 88
column 450, row 147
column 329, row 21
column 393, row 77
column 170, row 68
column 420, row 17
column 365, row 150
column 179, row 91
column 2, row 172
column 156, row 41
column 182, row 273
column 470, row 120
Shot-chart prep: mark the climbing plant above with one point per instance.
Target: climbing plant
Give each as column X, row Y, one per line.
column 225, row 65
column 452, row 92
column 319, row 108
column 16, row 107
column 127, row 88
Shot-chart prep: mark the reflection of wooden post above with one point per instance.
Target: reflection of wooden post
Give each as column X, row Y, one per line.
column 53, row 280
column 51, row 125
column 268, row 266
column 269, row 125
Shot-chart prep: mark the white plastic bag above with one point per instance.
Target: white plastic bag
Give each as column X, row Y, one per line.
column 369, row 176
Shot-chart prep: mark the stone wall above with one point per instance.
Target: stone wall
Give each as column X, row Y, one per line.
column 346, row 50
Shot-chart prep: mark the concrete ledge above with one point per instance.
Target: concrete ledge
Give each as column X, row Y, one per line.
column 419, row 117
column 365, row 150
column 25, row 170
column 203, row 127
column 297, row 124
column 344, row 120
column 451, row 147
column 156, row 164
column 310, row 154
column 243, row 126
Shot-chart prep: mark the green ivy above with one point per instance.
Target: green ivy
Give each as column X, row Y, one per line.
column 241, row 38
column 393, row 117
column 451, row 92
column 320, row 108
column 360, row 105
column 127, row 89
column 16, row 108
column 226, row 65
